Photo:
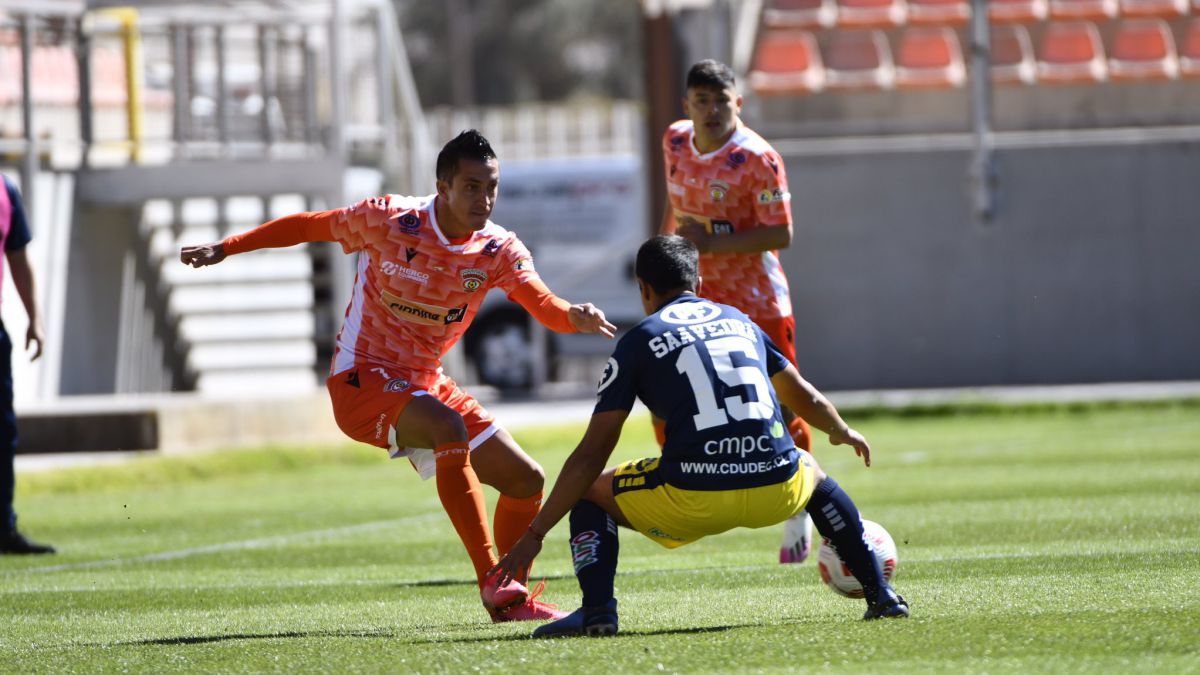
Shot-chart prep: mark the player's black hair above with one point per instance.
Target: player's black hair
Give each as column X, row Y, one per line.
column 668, row 262
column 710, row 73
column 469, row 144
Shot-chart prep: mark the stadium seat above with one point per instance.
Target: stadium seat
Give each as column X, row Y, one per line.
column 1016, row 11
column 10, row 74
column 929, row 57
column 1162, row 8
column 1012, row 55
column 54, row 75
column 859, row 60
column 939, row 12
column 1071, row 53
column 871, row 13
column 1143, row 49
column 1083, row 9
column 1189, row 55
column 800, row 14
column 787, row 62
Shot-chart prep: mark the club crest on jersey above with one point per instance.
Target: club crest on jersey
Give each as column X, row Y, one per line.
column 409, row 224
column 717, row 189
column 523, row 264
column 491, row 248
column 687, row 313
column 473, row 279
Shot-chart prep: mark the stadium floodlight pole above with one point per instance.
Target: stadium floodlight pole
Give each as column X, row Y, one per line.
column 981, row 113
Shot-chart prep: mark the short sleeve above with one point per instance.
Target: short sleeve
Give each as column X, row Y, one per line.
column 617, row 389
column 772, row 202
column 776, row 361
column 18, row 230
column 357, row 226
column 514, row 266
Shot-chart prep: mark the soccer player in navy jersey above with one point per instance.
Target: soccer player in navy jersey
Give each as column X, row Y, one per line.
column 727, row 462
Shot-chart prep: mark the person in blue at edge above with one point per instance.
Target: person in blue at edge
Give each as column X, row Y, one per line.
column 14, row 234
column 728, row 461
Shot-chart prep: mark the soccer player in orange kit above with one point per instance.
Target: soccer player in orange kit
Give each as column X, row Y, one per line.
column 728, row 193
column 424, row 266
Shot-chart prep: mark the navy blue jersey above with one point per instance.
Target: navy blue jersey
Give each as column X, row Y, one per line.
column 706, row 370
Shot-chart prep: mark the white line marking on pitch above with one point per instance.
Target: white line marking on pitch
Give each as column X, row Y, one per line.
column 245, row 545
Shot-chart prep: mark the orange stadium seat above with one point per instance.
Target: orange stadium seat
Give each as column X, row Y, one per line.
column 871, row 13
column 54, row 75
column 1143, row 49
column 1012, row 55
column 787, row 62
column 1163, row 8
column 929, row 57
column 1071, row 52
column 859, row 59
column 1017, row 11
column 10, row 73
column 1083, row 9
column 800, row 14
column 939, row 12
column 1189, row 55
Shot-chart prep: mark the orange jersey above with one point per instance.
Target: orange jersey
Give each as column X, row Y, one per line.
column 415, row 291
column 738, row 187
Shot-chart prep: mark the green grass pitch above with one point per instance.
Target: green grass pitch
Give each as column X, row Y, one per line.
column 1041, row 540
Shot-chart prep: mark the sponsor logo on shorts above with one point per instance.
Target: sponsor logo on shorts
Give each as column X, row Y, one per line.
column 654, row 531
column 417, row 312
column 473, row 279
column 379, row 425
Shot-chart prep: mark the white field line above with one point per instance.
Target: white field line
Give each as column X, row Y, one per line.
column 244, row 545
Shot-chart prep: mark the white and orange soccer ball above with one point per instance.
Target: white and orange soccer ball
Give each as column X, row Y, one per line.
column 837, row 576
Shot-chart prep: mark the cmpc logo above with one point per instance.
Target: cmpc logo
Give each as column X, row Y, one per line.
column 688, row 313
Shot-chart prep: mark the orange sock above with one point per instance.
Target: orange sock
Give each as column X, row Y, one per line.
column 801, row 433
column 513, row 515
column 660, row 430
column 462, row 498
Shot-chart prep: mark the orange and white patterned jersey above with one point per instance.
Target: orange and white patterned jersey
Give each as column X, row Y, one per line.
column 416, row 292
column 736, row 188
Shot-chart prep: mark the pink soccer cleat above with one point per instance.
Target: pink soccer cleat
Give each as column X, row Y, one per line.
column 511, row 593
column 530, row 610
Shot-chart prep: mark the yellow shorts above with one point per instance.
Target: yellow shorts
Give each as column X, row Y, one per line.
column 673, row 517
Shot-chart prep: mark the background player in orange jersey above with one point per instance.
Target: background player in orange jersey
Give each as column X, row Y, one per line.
column 424, row 266
column 727, row 192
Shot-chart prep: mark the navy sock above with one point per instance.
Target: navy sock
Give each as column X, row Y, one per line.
column 837, row 519
column 594, row 549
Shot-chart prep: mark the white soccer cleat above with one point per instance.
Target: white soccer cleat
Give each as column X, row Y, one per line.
column 797, row 539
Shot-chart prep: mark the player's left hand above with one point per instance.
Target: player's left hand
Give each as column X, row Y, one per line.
column 854, row 439
column 588, row 318
column 518, row 559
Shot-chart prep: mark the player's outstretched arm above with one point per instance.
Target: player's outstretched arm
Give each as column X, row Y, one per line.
column 578, row 473
column 806, row 401
column 557, row 314
column 297, row 228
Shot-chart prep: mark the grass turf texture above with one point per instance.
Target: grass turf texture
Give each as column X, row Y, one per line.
column 1054, row 539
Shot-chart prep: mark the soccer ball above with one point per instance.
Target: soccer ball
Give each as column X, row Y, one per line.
column 837, row 576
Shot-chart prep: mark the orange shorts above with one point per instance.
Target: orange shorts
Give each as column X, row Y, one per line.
column 782, row 331
column 368, row 398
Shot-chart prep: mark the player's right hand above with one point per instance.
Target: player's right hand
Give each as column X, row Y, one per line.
column 854, row 439
column 203, row 255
